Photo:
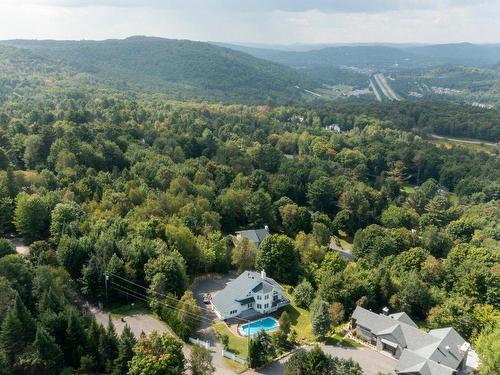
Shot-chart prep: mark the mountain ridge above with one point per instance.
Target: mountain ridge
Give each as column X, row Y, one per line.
column 180, row 68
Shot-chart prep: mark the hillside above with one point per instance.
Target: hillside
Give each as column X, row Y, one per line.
column 459, row 53
column 178, row 68
column 380, row 57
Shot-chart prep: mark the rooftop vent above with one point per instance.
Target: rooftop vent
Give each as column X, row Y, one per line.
column 385, row 311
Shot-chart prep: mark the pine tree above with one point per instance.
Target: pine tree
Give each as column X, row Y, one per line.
column 18, row 330
column 4, row 369
column 108, row 343
column 48, row 353
column 75, row 338
column 125, row 352
column 320, row 318
column 94, row 332
column 50, row 301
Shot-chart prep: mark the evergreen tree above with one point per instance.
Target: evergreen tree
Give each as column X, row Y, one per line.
column 47, row 354
column 125, row 352
column 18, row 330
column 108, row 346
column 74, row 340
column 93, row 335
column 261, row 349
column 320, row 318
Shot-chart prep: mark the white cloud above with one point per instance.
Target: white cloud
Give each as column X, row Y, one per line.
column 278, row 21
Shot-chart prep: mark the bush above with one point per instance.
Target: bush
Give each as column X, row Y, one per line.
column 303, row 294
column 6, row 247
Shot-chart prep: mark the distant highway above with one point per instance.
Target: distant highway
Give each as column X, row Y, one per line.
column 385, row 87
column 377, row 95
column 481, row 143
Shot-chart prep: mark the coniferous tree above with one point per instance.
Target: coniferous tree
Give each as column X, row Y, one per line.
column 74, row 340
column 125, row 352
column 47, row 354
column 93, row 335
column 108, row 346
column 320, row 318
column 18, row 330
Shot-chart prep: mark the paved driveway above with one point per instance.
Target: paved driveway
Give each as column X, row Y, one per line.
column 212, row 285
column 370, row 361
column 138, row 321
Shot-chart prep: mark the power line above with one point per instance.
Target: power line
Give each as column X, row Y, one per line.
column 160, row 294
column 167, row 296
column 146, row 298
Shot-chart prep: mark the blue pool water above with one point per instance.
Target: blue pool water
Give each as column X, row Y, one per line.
column 252, row 328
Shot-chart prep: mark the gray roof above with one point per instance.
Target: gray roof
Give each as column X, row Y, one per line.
column 411, row 363
column 245, row 301
column 265, row 287
column 239, row 288
column 403, row 317
column 255, row 235
column 436, row 352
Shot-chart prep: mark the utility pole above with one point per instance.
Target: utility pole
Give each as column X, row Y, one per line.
column 106, row 279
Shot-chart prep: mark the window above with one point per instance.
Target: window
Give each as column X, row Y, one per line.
column 266, row 305
column 259, row 306
column 249, row 305
column 232, row 312
column 266, row 296
column 259, row 297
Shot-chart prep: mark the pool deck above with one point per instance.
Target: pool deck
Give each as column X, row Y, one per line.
column 235, row 328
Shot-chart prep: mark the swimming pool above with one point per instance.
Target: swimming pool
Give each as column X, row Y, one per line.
column 267, row 324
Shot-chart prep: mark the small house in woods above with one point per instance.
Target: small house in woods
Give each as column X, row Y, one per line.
column 254, row 235
column 250, row 294
column 333, row 128
column 437, row 352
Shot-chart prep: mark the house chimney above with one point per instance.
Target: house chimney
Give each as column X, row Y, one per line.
column 263, row 274
column 385, row 311
column 464, row 348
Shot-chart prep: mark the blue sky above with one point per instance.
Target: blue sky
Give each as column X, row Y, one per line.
column 256, row 21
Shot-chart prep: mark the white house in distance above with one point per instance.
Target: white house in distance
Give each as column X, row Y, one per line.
column 254, row 235
column 250, row 294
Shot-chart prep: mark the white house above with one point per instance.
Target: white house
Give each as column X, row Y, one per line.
column 250, row 293
column 334, row 128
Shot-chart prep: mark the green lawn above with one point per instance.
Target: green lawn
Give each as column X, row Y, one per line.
column 337, row 339
column 239, row 369
column 128, row 309
column 237, row 344
column 300, row 319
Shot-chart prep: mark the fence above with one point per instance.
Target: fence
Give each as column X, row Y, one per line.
column 233, row 356
column 199, row 342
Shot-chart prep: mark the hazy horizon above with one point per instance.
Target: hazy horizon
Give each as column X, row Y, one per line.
column 278, row 22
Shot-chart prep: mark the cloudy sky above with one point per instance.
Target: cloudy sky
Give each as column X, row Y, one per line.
column 257, row 21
